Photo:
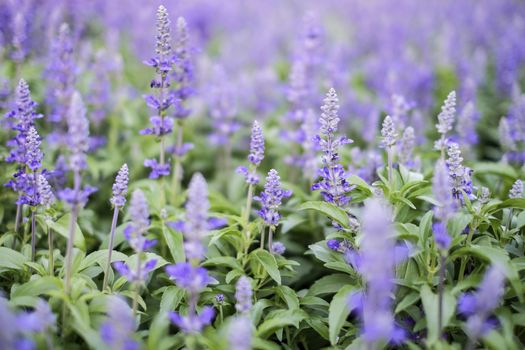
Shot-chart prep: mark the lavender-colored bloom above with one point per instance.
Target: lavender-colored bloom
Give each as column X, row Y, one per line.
column 466, row 126
column 505, row 136
column 446, row 120
column 118, row 330
column 192, row 278
column 163, row 43
column 139, row 213
column 47, row 198
column 34, row 155
column 399, row 111
column 377, row 264
column 28, row 182
column 389, row 133
column 278, row 248
column 138, row 275
column 219, row 298
column 309, row 129
column 183, row 72
column 196, row 225
column 41, row 320
column 271, row 198
column 243, row 295
column 517, row 190
column 256, row 145
column 441, row 187
column 78, row 133
column 74, row 197
column 333, row 185
column 194, row 323
column 298, row 89
column 157, row 169
column 9, row 329
column 460, row 175
column 406, row 148
column 240, row 333
column 333, row 244
column 161, row 126
column 120, row 187
column 478, row 306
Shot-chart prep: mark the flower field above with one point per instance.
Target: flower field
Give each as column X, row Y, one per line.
column 235, row 175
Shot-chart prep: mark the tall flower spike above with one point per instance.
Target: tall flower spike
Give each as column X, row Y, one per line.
column 120, row 187
column 34, row 155
column 389, row 133
column 139, row 213
column 406, row 148
column 377, row 267
column 118, row 330
column 446, row 120
column 271, row 198
column 256, row 145
column 517, row 189
column 47, row 198
column 479, row 305
column 240, row 334
column 329, row 118
column 78, row 133
column 441, row 187
column 163, row 45
column 196, row 225
column 459, row 174
column 243, row 295
column 466, row 126
column 505, row 135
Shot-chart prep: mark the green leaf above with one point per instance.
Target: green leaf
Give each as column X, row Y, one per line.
column 174, row 240
column 37, row 287
column 61, row 226
column 269, row 263
column 227, row 261
column 500, row 169
column 330, row 284
column 288, row 295
column 328, row 209
column 338, row 312
column 280, row 319
column 100, row 257
column 171, row 298
column 430, row 305
column 11, row 259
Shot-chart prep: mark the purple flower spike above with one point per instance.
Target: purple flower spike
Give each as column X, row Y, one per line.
column 446, row 120
column 139, row 213
column 240, row 333
column 256, row 145
column 47, row 198
column 517, row 190
column 119, row 328
column 157, row 169
column 34, row 155
column 194, row 279
column 333, row 244
column 78, row 133
column 243, row 295
column 192, row 324
column 460, row 176
column 389, row 133
column 120, row 187
column 278, row 248
column 271, row 198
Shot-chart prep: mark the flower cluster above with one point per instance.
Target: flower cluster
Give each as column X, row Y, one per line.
column 517, row 189
column 118, row 330
column 389, row 133
column 334, row 185
column 243, row 295
column 446, row 121
column 183, row 72
column 120, row 187
column 443, row 191
column 406, row 148
column 460, row 176
column 271, row 198
column 256, row 155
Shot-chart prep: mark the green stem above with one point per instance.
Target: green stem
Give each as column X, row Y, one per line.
column 465, row 258
column 270, row 238
column 137, row 285
column 262, row 237
column 390, row 167
column 441, row 287
column 69, row 251
column 33, row 234
column 110, row 247
column 51, row 262
column 177, row 171
column 18, row 219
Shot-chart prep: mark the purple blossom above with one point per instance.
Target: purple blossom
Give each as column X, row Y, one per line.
column 377, row 264
column 441, row 187
column 240, row 333
column 278, row 248
column 517, row 190
column 479, row 305
column 119, row 328
column 195, row 323
column 388, row 133
column 196, row 225
column 192, row 278
column 460, row 175
column 333, row 185
column 333, row 244
column 74, row 197
column 140, row 274
column 256, row 145
column 47, row 198
column 41, row 320
column 406, row 148
column 243, row 295
column 466, row 126
column 219, row 298
column 120, row 187
column 157, row 169
column 78, row 133
column 183, row 70
column 446, row 120
column 271, row 198
column 161, row 126
column 139, row 213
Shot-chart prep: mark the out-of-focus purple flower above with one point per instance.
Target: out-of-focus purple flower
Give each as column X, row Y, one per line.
column 47, row 198
column 10, row 337
column 196, row 225
column 243, row 295
column 157, row 169
column 333, row 244
column 139, row 213
column 446, row 121
column 333, row 185
column 256, row 155
column 478, row 306
column 194, row 323
column 74, row 197
column 517, row 189
column 460, row 175
column 442, row 189
column 183, row 70
column 140, row 274
column 240, row 333
column 399, row 111
column 507, row 142
column 118, row 330
column 278, row 248
column 100, row 90
column 41, row 320
column 389, row 133
column 60, row 77
column 192, row 278
column 309, row 128
column 120, row 187
column 78, row 133
column 161, row 126
column 271, row 198
column 406, row 148
column 377, row 264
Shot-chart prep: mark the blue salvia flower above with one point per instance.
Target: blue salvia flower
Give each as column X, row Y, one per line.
column 517, row 190
column 60, row 82
column 309, row 128
column 271, row 198
column 183, row 72
column 399, row 111
column 120, row 187
column 162, row 101
column 406, row 148
column 441, row 187
column 40, row 320
column 47, row 198
column 376, row 265
column 34, row 155
column 506, row 139
column 479, row 305
column 278, row 248
column 256, row 155
column 119, row 328
column 196, row 225
column 446, row 121
column 466, row 126
column 389, row 133
column 135, row 235
column 460, row 175
column 333, row 185
column 240, row 333
column 243, row 295
column 29, row 181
